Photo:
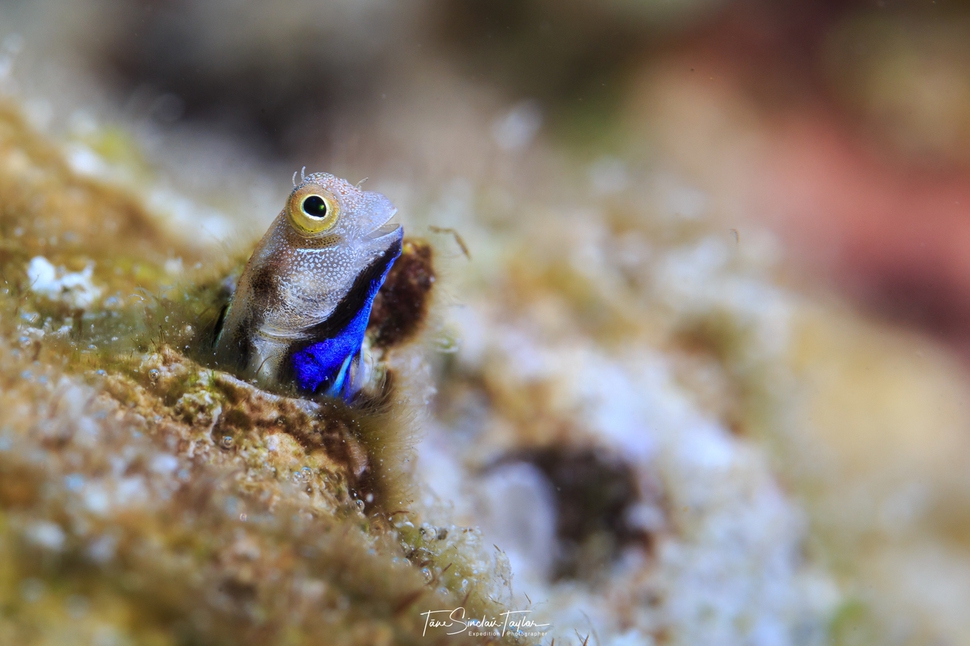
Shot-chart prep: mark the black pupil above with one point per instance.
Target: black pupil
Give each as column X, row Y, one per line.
column 315, row 207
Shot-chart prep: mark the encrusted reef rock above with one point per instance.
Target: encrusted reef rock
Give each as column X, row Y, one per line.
column 147, row 499
column 596, row 407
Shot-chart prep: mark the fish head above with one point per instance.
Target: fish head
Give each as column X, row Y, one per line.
column 329, row 237
column 325, row 211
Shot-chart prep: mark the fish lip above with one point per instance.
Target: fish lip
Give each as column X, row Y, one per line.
column 385, row 232
column 374, row 227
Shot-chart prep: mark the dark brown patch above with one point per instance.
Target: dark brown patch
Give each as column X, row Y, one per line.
column 401, row 306
column 19, row 489
column 263, row 286
column 595, row 491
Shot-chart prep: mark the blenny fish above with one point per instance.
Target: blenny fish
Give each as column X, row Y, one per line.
column 301, row 306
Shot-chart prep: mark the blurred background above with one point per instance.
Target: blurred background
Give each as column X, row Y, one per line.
column 842, row 125
column 609, row 140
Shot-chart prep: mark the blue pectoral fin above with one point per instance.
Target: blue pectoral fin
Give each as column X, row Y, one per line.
column 329, row 367
column 341, row 384
column 323, row 366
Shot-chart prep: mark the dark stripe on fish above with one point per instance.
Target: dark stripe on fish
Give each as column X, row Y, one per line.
column 355, row 298
column 359, row 297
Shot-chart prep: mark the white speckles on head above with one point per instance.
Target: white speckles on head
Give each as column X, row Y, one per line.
column 295, row 279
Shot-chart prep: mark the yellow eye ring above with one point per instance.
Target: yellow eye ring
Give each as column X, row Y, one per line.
column 312, row 211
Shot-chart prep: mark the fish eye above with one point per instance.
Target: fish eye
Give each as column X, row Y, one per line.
column 315, row 206
column 312, row 210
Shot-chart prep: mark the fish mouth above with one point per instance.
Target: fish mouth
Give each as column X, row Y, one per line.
column 386, row 233
column 377, row 220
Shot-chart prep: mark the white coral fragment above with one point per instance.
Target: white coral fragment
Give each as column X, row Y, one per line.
column 75, row 288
